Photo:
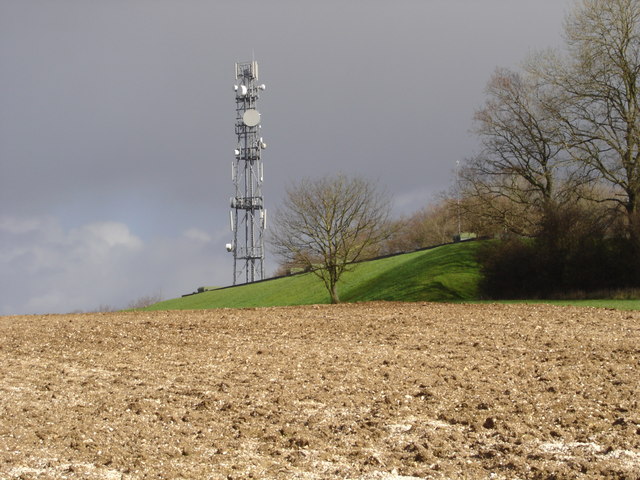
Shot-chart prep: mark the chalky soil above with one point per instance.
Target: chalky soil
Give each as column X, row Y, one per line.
column 365, row 391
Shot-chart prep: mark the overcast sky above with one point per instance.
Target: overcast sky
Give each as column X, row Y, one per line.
column 117, row 124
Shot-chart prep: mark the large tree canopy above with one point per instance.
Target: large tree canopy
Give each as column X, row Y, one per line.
column 597, row 98
column 520, row 173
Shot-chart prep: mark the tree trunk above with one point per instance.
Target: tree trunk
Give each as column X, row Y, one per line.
column 334, row 293
column 633, row 220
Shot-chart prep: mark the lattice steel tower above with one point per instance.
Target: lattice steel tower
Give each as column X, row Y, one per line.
column 248, row 215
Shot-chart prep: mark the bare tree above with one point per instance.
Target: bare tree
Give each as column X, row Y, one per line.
column 327, row 224
column 599, row 101
column 145, row 301
column 521, row 171
column 434, row 224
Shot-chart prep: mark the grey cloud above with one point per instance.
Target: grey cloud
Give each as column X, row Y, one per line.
column 123, row 112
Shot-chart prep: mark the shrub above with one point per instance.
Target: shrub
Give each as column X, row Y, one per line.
column 575, row 251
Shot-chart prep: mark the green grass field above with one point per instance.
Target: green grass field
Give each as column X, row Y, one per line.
column 449, row 273
column 443, row 274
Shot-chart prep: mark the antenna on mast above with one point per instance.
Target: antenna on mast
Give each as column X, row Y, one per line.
column 248, row 215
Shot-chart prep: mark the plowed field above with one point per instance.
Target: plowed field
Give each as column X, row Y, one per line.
column 367, row 391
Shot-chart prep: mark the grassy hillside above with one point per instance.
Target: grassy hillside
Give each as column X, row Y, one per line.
column 446, row 273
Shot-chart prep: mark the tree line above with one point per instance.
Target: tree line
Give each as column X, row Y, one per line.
column 559, row 171
column 557, row 177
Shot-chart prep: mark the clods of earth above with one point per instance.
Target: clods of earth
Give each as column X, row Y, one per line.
column 365, row 391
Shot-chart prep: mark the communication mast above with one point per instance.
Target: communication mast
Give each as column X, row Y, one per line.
column 248, row 215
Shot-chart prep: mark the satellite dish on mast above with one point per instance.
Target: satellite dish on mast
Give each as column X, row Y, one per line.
column 251, row 118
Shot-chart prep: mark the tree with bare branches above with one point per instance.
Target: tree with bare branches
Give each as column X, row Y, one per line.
column 327, row 224
column 434, row 224
column 521, row 171
column 597, row 83
column 561, row 141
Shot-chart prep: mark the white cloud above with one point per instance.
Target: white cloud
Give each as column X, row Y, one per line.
column 50, row 301
column 99, row 241
column 19, row 225
column 47, row 269
column 198, row 235
column 111, row 234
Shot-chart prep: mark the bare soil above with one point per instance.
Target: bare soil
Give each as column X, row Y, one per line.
column 367, row 391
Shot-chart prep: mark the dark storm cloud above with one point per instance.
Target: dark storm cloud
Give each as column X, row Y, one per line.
column 123, row 112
